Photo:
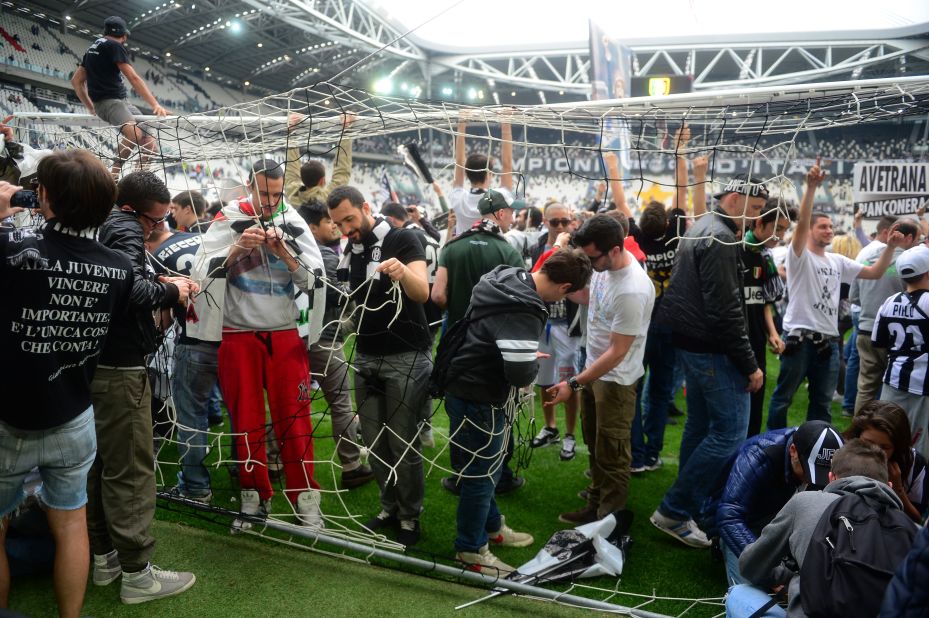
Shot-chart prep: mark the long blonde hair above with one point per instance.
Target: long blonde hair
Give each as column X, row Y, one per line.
column 847, row 245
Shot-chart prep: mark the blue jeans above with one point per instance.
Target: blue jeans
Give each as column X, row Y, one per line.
column 850, row 353
column 744, row 600
column 823, row 374
column 717, row 419
column 214, row 406
column 63, row 455
column 476, row 438
column 733, row 574
column 655, row 396
column 192, row 387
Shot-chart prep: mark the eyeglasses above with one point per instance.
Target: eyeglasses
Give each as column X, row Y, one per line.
column 594, row 258
column 559, row 222
column 151, row 220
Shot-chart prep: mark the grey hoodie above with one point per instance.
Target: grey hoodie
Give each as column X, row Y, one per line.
column 499, row 350
column 790, row 532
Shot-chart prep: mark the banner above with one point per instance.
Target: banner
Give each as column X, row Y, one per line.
column 610, row 74
column 886, row 188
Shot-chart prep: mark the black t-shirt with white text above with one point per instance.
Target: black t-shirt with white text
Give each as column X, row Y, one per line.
column 660, row 252
column 377, row 336
column 104, row 79
column 175, row 256
column 58, row 292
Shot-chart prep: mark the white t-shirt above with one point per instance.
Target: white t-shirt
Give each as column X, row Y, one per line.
column 464, row 203
column 813, row 287
column 621, row 302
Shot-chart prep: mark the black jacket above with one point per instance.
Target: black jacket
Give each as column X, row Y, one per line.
column 500, row 348
column 703, row 303
column 132, row 333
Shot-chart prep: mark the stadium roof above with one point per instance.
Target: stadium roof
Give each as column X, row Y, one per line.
column 478, row 25
column 518, row 50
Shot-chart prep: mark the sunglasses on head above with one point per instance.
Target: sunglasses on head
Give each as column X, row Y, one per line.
column 559, row 222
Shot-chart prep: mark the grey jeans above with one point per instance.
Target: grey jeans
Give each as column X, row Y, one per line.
column 390, row 391
column 331, row 371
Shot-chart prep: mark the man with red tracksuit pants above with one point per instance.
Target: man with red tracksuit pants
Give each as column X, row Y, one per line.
column 264, row 250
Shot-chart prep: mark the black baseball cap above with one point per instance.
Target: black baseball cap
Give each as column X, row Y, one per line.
column 742, row 185
column 816, row 442
column 115, row 26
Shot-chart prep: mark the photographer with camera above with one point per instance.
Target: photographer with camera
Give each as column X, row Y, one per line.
column 811, row 330
column 59, row 288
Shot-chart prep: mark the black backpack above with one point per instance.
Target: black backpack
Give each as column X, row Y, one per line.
column 448, row 349
column 852, row 556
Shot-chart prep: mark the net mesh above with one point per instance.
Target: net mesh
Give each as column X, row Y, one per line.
column 210, row 152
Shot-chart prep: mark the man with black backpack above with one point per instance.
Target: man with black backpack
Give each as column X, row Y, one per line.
column 841, row 544
column 480, row 363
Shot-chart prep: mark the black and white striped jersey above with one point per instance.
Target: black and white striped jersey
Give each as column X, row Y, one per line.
column 902, row 327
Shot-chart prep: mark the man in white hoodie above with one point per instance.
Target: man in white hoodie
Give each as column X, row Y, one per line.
column 271, row 253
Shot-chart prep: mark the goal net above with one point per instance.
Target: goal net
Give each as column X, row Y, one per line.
column 771, row 134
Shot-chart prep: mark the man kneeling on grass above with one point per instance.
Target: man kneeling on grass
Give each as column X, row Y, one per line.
column 498, row 354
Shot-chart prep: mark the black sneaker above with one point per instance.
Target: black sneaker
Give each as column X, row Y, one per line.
column 450, row 485
column 381, row 520
column 409, row 532
column 547, row 435
column 510, row 486
column 357, row 477
column 674, row 411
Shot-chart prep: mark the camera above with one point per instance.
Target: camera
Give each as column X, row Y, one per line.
column 24, row 199
column 791, row 344
column 823, row 347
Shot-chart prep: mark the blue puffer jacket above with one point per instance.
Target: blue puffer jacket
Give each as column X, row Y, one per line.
column 907, row 594
column 760, row 483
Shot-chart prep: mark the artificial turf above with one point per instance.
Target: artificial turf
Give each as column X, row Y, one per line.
column 248, row 576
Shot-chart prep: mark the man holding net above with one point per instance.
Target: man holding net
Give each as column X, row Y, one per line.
column 99, row 85
column 498, row 354
column 121, row 482
column 384, row 267
column 253, row 258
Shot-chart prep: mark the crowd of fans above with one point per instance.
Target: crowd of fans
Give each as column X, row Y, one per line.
column 606, row 312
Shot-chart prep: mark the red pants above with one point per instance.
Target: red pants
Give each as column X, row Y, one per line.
column 249, row 364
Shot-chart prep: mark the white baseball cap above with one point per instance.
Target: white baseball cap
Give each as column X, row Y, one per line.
column 913, row 262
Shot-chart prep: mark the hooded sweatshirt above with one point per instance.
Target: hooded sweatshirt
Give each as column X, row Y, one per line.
column 499, row 350
column 791, row 530
column 256, row 292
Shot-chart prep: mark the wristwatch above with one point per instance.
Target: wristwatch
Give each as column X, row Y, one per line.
column 574, row 384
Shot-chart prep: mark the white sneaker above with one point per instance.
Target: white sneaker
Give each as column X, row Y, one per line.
column 250, row 503
column 106, row 568
column 507, row 537
column 153, row 583
column 482, row 561
column 308, row 513
column 687, row 532
column 426, row 439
